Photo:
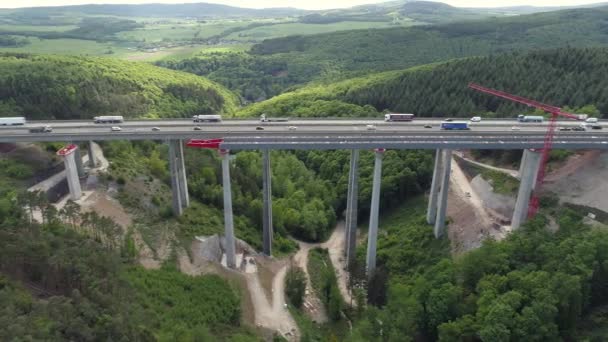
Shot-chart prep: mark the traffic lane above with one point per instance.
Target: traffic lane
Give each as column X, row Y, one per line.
column 188, row 122
column 305, row 129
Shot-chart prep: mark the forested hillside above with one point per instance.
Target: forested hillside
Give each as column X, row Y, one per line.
column 562, row 77
column 299, row 59
column 65, row 87
column 533, row 286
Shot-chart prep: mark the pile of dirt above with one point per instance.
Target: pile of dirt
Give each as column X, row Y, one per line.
column 500, row 204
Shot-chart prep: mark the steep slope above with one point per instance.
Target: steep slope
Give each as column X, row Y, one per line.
column 299, row 59
column 563, row 77
column 64, row 87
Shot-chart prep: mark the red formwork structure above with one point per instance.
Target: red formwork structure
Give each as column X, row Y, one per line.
column 548, row 142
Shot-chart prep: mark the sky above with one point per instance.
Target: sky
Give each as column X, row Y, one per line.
column 307, row 4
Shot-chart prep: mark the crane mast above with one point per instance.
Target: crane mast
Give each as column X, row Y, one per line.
column 548, row 141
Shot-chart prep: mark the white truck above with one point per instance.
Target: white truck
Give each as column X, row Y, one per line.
column 207, row 118
column 264, row 118
column 12, row 121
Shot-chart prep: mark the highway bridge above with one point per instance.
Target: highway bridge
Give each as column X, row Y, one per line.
column 322, row 134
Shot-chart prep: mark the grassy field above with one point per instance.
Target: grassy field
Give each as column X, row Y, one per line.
column 37, row 28
column 68, row 47
column 281, row 30
column 187, row 31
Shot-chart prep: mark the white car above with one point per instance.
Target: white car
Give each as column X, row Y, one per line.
column 591, row 120
column 515, row 128
column 476, row 119
column 116, row 129
column 370, row 127
column 292, row 128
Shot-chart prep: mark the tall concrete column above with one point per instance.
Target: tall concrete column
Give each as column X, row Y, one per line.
column 179, row 183
column 183, row 180
column 178, row 208
column 442, row 205
column 228, row 219
column 530, row 165
column 71, row 171
column 267, row 196
column 92, row 162
column 350, row 239
column 372, row 235
column 431, row 213
column 78, row 161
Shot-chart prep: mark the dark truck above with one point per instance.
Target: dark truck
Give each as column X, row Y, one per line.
column 41, row 129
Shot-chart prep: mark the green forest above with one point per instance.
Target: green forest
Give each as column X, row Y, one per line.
column 535, row 285
column 566, row 77
column 64, row 87
column 75, row 274
column 275, row 65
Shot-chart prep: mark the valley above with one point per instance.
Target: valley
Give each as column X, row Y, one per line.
column 125, row 262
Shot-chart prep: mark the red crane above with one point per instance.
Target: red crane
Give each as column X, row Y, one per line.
column 555, row 113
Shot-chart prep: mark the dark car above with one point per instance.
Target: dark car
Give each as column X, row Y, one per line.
column 565, row 129
column 578, row 129
column 428, row 126
column 197, row 128
column 259, row 128
column 596, row 127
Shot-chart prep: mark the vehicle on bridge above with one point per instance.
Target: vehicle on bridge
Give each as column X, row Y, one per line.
column 455, row 125
column 264, row 118
column 41, row 129
column 476, row 119
column 530, row 118
column 12, row 121
column 115, row 129
column 398, row 117
column 109, row 119
column 207, row 118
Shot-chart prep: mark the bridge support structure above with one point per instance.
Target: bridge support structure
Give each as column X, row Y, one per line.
column 431, row 213
column 372, row 235
column 352, row 197
column 78, row 161
column 229, row 245
column 71, row 170
column 442, row 201
column 267, row 197
column 92, row 162
column 530, row 164
column 179, row 182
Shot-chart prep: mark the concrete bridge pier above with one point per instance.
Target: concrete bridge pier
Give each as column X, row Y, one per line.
column 442, row 202
column 530, row 164
column 179, row 185
column 372, row 236
column 431, row 213
column 71, row 170
column 92, row 162
column 228, row 219
column 267, row 197
column 350, row 239
column 78, row 161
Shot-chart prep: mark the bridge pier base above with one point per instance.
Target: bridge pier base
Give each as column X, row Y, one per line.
column 372, row 236
column 179, row 185
column 267, row 197
column 350, row 239
column 431, row 213
column 446, row 169
column 530, row 163
column 228, row 218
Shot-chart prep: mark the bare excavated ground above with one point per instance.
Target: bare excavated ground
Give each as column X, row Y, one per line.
column 470, row 223
column 582, row 180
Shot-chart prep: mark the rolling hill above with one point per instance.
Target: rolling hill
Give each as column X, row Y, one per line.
column 63, row 87
column 563, row 77
column 275, row 65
